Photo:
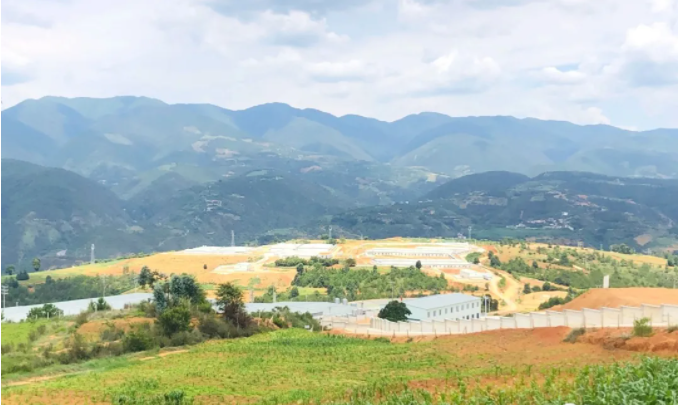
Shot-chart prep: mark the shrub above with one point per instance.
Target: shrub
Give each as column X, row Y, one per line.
column 382, row 340
column 139, row 339
column 642, row 328
column 81, row 319
column 77, row 348
column 175, row 319
column 671, row 328
column 574, row 335
column 186, row 338
column 111, row 333
column 6, row 348
column 213, row 327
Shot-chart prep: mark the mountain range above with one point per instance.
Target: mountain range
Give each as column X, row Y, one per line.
column 56, row 214
column 127, row 143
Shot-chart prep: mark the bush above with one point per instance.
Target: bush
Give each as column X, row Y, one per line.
column 175, row 319
column 642, row 328
column 81, row 319
column 186, row 338
column 574, row 335
column 139, row 339
column 213, row 327
column 77, row 348
column 111, row 333
column 671, row 328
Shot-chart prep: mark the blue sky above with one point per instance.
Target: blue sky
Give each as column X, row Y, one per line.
column 589, row 62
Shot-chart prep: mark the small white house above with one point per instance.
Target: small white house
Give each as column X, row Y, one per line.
column 453, row 306
column 475, row 275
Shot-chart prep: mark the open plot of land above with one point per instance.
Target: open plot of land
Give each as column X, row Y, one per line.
column 615, row 297
column 293, row 365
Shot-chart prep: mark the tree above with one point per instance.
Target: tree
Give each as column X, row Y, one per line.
column 535, row 265
column 45, row 311
column 9, row 270
column 418, row 265
column 36, row 264
column 351, row 262
column 49, row 280
column 563, row 259
column 146, row 277
column 495, row 261
column 23, row 275
column 546, row 286
column 294, row 292
column 394, row 311
column 175, row 319
column 205, row 267
column 99, row 305
column 185, row 287
column 230, row 302
column 476, row 260
column 300, row 269
column 526, row 289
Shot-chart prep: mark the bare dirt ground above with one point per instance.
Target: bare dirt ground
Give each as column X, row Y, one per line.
column 615, row 297
column 661, row 341
column 95, row 327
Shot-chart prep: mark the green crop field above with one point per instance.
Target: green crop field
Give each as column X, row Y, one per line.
column 15, row 333
column 295, row 366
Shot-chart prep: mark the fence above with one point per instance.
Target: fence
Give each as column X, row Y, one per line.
column 660, row 316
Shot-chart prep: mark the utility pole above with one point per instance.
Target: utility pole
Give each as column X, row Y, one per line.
column 470, row 232
column 233, row 239
column 103, row 281
column 329, row 232
column 274, row 293
column 5, row 291
column 92, row 254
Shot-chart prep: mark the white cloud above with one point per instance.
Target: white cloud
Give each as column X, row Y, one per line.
column 379, row 58
column 553, row 75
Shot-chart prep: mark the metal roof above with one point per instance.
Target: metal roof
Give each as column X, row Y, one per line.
column 16, row 314
column 440, row 300
column 315, row 308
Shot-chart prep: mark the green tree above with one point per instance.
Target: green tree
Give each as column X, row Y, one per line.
column 495, row 261
column 546, row 286
column 300, row 269
column 230, row 302
column 36, row 264
column 526, row 289
column 294, row 292
column 175, row 319
column 535, row 265
column 185, row 287
column 146, row 277
column 563, row 259
column 45, row 311
column 351, row 262
column 418, row 265
column 394, row 311
column 9, row 270
column 99, row 305
column 23, row 275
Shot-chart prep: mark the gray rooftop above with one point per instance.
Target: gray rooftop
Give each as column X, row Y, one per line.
column 315, row 308
column 16, row 314
column 440, row 300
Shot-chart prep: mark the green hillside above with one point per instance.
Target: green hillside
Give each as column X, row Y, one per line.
column 561, row 206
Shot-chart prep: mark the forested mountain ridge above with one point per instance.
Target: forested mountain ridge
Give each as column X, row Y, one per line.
column 55, row 214
column 567, row 206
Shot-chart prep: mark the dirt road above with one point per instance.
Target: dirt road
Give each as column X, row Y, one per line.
column 508, row 294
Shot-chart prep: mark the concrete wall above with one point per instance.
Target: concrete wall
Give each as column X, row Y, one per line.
column 660, row 315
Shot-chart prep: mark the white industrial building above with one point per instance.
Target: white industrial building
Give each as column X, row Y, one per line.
column 301, row 250
column 437, row 250
column 475, row 275
column 428, row 263
column 453, row 306
column 218, row 250
column 245, row 266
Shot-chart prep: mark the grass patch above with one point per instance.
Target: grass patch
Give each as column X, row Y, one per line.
column 574, row 335
column 642, row 328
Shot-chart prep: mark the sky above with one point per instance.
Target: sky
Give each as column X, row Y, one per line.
column 588, row 62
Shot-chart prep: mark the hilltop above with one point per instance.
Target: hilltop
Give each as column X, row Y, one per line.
column 124, row 141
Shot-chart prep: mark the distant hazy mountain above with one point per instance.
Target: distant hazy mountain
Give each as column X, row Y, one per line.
column 126, row 142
